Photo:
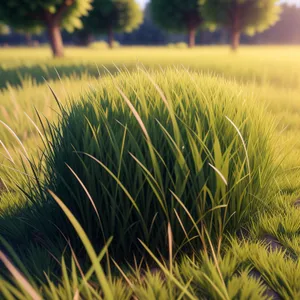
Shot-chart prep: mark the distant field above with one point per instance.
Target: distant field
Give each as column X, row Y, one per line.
column 271, row 72
column 262, row 77
column 279, row 65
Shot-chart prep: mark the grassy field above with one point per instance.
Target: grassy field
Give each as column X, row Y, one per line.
column 222, row 223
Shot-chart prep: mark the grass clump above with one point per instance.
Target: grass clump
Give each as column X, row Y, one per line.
column 142, row 151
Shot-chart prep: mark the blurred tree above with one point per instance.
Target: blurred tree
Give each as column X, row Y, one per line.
column 241, row 16
column 4, row 29
column 109, row 16
column 30, row 16
column 285, row 31
column 178, row 15
column 146, row 34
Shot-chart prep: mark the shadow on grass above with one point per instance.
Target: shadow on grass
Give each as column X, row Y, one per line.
column 14, row 76
column 39, row 73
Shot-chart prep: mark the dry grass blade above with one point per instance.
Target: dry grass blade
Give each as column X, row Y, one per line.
column 135, row 113
column 170, row 242
column 244, row 144
column 7, row 152
column 89, row 248
column 219, row 173
column 87, row 193
column 16, row 137
column 19, row 278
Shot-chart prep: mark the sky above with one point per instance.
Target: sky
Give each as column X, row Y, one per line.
column 143, row 2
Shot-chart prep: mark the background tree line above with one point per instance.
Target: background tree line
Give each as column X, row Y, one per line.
column 162, row 22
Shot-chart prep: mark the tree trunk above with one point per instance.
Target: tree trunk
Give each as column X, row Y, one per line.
column 235, row 39
column 28, row 39
column 55, row 39
column 110, row 37
column 192, row 37
column 236, row 29
column 89, row 39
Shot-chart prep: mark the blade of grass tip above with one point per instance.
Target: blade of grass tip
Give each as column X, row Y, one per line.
column 6, row 157
column 135, row 113
column 186, row 239
column 16, row 170
column 7, row 152
column 65, row 279
column 170, row 240
column 88, row 246
column 154, row 184
column 87, row 193
column 89, row 273
column 169, row 107
column 181, row 224
column 115, row 178
column 139, row 120
column 55, row 96
column 98, row 70
column 159, row 90
column 36, row 127
column 109, row 72
column 84, row 284
column 4, row 184
column 9, row 291
column 190, row 217
column 185, row 289
column 167, row 272
column 216, row 263
column 76, row 295
column 15, row 136
column 19, row 264
column 216, row 288
column 119, row 70
column 19, row 277
column 123, row 274
column 244, row 144
column 52, row 288
column 60, row 80
column 219, row 173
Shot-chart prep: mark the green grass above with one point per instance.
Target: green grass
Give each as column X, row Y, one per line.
column 250, row 64
column 138, row 151
column 265, row 79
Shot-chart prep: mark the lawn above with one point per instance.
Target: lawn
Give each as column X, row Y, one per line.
column 177, row 169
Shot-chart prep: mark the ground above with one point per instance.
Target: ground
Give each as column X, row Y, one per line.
column 268, row 75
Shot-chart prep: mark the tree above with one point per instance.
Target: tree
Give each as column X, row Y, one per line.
column 147, row 34
column 109, row 16
column 4, row 29
column 28, row 15
column 241, row 16
column 285, row 31
column 178, row 15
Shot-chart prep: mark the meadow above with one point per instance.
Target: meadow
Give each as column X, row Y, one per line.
column 150, row 173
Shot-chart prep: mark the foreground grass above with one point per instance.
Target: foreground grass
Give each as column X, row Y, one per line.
column 239, row 263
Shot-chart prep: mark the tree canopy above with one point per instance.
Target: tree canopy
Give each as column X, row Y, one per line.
column 31, row 15
column 108, row 16
column 178, row 15
column 4, row 29
column 241, row 16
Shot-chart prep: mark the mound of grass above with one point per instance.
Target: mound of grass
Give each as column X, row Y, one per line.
column 142, row 151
